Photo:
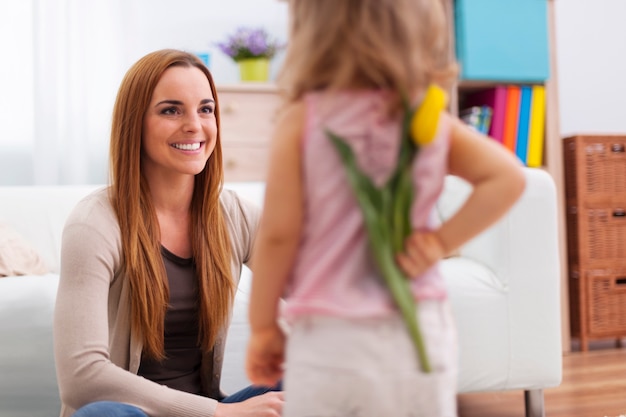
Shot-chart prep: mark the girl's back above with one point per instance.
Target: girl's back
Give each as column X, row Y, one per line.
column 334, row 272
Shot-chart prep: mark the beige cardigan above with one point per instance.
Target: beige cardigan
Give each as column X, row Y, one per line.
column 96, row 355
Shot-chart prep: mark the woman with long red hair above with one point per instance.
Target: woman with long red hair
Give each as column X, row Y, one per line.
column 150, row 264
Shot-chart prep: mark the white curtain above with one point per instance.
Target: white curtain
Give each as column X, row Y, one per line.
column 16, row 93
column 80, row 51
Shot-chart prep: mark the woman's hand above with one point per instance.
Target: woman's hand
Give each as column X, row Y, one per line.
column 265, row 357
column 269, row 404
column 421, row 251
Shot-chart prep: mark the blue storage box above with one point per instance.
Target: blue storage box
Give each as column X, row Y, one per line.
column 502, row 40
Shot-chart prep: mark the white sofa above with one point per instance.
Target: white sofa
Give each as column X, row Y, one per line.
column 504, row 289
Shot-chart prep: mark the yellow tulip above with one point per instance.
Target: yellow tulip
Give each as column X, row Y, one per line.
column 426, row 117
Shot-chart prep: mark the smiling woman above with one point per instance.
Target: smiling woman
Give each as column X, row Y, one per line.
column 180, row 128
column 152, row 262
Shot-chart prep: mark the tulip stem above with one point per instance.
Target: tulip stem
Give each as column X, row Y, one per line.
column 386, row 214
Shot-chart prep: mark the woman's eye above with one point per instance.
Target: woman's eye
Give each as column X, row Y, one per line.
column 169, row 111
column 207, row 109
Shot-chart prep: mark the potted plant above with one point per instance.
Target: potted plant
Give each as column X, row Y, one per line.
column 251, row 49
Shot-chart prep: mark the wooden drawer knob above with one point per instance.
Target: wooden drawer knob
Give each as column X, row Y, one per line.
column 230, row 107
column 231, row 164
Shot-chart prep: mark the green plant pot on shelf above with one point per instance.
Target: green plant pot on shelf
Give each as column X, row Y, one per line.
column 254, row 69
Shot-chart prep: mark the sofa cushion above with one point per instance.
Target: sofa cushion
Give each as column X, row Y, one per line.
column 17, row 256
column 28, row 386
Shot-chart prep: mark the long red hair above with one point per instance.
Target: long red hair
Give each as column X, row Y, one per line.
column 142, row 262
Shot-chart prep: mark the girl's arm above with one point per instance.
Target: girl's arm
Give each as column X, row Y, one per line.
column 276, row 246
column 498, row 181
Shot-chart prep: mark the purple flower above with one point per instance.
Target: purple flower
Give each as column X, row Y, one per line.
column 249, row 43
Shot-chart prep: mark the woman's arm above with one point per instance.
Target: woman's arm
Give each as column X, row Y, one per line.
column 93, row 346
column 276, row 246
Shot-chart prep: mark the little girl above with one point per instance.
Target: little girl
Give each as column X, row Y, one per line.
column 349, row 67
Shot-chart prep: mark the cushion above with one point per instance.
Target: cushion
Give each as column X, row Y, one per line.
column 17, row 257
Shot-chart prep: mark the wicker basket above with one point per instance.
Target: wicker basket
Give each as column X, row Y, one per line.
column 607, row 302
column 599, row 233
column 595, row 168
column 598, row 303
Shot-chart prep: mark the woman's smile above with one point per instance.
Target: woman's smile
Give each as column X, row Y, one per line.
column 188, row 147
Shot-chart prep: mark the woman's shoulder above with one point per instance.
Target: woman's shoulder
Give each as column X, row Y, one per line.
column 242, row 215
column 239, row 203
column 95, row 211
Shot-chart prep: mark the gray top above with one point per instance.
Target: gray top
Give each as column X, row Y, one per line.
column 181, row 367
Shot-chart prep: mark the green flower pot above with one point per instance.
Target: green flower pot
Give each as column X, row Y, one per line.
column 254, row 69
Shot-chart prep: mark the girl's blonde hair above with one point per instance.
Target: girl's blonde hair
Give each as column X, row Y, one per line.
column 400, row 45
column 139, row 228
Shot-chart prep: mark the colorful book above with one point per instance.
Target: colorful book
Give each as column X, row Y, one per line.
column 511, row 117
column 486, row 115
column 536, row 132
column 495, row 98
column 521, row 143
column 478, row 117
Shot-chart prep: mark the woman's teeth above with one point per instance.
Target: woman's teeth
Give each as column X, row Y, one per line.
column 187, row 146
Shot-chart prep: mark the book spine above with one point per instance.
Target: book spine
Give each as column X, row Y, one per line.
column 496, row 130
column 511, row 117
column 521, row 144
column 537, row 126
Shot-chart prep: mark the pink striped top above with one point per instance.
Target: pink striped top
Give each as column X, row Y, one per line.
column 334, row 273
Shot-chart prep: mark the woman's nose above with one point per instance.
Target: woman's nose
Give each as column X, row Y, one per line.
column 191, row 121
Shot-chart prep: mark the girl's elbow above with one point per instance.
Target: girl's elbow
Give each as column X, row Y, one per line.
column 518, row 182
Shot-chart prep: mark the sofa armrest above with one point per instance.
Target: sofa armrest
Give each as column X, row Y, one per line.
column 522, row 252
column 525, row 236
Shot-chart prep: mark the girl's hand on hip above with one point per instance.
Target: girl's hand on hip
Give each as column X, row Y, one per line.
column 421, row 251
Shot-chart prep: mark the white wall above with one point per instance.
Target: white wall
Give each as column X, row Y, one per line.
column 196, row 25
column 591, row 65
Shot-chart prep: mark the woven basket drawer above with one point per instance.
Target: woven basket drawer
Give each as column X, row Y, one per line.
column 607, row 301
column 595, row 168
column 600, row 233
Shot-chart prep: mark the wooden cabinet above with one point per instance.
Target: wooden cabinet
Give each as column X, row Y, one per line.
column 595, row 187
column 247, row 113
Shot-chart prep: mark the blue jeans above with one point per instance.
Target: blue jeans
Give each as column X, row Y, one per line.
column 115, row 409
column 109, row 409
column 249, row 392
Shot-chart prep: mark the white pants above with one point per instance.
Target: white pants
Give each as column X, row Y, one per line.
column 369, row 367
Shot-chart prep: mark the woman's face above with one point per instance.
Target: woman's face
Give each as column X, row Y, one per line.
column 179, row 127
